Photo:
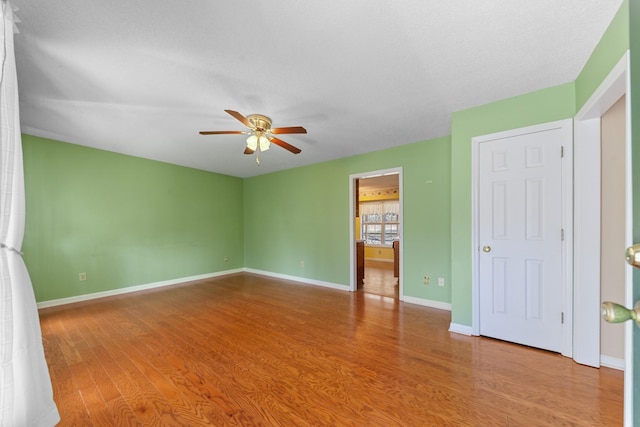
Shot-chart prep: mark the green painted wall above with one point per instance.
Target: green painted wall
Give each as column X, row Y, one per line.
column 123, row 220
column 127, row 221
column 303, row 215
column 534, row 108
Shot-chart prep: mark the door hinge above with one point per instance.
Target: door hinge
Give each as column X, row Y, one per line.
column 562, row 317
column 562, row 234
column 562, row 151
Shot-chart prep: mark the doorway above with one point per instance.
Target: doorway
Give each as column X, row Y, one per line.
column 376, row 233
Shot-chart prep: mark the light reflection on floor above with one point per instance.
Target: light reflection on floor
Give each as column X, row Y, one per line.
column 379, row 282
column 380, row 298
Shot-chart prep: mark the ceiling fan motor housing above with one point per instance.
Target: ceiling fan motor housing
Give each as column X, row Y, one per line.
column 261, row 123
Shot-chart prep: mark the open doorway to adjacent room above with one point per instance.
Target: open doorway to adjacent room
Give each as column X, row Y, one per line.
column 376, row 237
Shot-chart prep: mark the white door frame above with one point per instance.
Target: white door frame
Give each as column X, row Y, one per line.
column 567, row 214
column 352, row 231
column 587, row 223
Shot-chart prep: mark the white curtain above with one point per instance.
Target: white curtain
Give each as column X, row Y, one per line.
column 26, row 396
column 380, row 208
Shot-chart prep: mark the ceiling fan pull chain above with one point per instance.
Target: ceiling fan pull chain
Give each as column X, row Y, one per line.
column 257, row 160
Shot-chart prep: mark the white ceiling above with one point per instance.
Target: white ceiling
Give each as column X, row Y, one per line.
column 143, row 77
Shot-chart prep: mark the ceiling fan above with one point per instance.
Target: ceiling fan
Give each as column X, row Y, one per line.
column 260, row 132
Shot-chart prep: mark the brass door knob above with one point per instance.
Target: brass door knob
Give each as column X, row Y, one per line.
column 616, row 313
column 486, row 249
column 633, row 255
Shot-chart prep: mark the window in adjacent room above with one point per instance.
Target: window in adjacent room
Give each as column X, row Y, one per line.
column 379, row 222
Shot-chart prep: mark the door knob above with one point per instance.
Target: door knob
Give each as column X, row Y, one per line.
column 632, row 255
column 616, row 313
column 486, row 249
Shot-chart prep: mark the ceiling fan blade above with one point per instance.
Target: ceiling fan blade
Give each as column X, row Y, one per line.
column 284, row 145
column 241, row 118
column 248, row 150
column 221, row 132
column 291, row 129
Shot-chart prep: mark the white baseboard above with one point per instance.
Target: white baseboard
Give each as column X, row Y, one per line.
column 427, row 303
column 52, row 303
column 612, row 362
column 460, row 329
column 298, row 279
column 87, row 297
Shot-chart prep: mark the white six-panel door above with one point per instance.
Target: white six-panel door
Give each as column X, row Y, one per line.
column 520, row 238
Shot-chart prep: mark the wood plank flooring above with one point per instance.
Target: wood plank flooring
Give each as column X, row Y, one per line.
column 246, row 350
column 379, row 279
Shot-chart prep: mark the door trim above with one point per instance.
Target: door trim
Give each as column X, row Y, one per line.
column 352, row 230
column 587, row 128
column 567, row 215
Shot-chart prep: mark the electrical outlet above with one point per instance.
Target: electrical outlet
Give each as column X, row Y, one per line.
column 301, row 264
column 82, row 277
column 226, row 258
column 440, row 281
column 426, row 280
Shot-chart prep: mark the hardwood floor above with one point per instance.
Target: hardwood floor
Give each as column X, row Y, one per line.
column 246, row 350
column 379, row 280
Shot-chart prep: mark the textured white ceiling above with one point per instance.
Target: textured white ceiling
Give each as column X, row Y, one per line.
column 143, row 77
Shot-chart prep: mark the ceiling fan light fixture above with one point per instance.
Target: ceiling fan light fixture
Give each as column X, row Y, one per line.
column 264, row 143
column 252, row 142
